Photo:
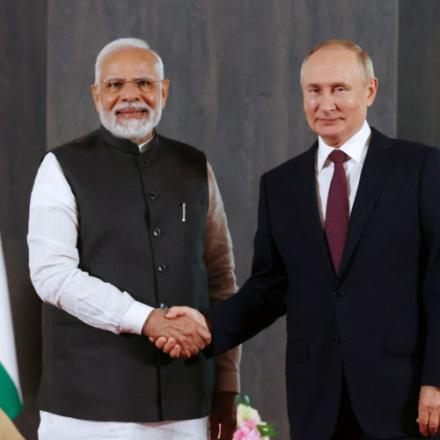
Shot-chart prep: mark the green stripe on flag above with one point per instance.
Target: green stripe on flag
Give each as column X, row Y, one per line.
column 9, row 398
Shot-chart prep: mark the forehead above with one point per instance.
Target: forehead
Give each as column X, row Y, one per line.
column 129, row 63
column 332, row 64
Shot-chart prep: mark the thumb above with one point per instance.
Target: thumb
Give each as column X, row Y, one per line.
column 175, row 312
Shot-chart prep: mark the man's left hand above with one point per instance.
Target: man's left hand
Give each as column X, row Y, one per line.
column 429, row 410
column 222, row 420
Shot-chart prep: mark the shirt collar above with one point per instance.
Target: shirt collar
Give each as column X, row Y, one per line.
column 353, row 147
column 143, row 147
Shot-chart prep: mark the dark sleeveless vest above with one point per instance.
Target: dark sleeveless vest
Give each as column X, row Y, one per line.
column 141, row 228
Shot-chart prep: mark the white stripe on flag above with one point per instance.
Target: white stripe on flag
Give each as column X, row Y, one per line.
column 8, row 359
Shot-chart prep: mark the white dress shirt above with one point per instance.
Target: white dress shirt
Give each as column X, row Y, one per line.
column 53, row 263
column 356, row 149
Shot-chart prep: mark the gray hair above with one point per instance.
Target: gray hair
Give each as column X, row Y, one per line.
column 364, row 59
column 121, row 44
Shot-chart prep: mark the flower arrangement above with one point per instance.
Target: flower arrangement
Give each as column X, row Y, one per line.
column 249, row 424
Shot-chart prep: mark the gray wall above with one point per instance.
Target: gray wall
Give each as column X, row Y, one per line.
column 22, row 134
column 234, row 70
column 419, row 71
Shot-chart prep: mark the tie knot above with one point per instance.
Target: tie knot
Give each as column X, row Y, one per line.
column 338, row 156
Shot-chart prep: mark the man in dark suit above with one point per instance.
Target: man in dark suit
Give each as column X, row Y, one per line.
column 348, row 246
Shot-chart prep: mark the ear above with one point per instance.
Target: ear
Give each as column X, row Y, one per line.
column 95, row 96
column 165, row 91
column 372, row 91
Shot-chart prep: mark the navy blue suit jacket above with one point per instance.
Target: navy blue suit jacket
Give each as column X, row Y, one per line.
column 378, row 319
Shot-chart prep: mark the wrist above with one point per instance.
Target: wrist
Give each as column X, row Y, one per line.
column 149, row 325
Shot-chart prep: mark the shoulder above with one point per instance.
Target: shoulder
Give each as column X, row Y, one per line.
column 292, row 169
column 86, row 142
column 404, row 148
column 180, row 147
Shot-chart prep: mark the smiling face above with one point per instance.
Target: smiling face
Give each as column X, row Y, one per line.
column 130, row 94
column 336, row 93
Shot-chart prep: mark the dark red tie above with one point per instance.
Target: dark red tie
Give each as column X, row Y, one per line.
column 336, row 217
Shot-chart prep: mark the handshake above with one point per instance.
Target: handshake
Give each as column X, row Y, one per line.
column 180, row 332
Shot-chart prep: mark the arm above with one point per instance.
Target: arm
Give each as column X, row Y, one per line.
column 219, row 260
column 261, row 299
column 54, row 261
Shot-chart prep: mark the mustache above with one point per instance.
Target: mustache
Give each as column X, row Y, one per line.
column 132, row 106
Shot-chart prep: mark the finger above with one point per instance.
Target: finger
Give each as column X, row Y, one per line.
column 423, row 422
column 433, row 423
column 176, row 352
column 160, row 342
column 197, row 343
column 151, row 339
column 205, row 334
column 190, row 349
column 185, row 353
column 169, row 345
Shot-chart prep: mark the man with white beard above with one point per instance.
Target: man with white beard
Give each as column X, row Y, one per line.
column 123, row 224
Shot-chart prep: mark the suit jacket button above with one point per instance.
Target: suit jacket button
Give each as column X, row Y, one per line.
column 335, row 342
column 152, row 196
column 161, row 268
column 338, row 293
column 157, row 232
column 145, row 163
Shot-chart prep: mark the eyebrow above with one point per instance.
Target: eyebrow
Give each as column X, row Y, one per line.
column 332, row 85
column 118, row 78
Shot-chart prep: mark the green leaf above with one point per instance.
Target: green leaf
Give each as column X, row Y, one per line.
column 244, row 400
column 267, row 430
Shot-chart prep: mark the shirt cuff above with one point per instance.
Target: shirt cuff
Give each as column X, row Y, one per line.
column 134, row 319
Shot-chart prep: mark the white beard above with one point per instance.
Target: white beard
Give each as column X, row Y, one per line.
column 131, row 129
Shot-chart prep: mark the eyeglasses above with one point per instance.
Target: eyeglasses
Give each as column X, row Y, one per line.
column 117, row 85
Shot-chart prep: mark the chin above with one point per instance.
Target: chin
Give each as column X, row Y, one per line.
column 125, row 121
column 328, row 133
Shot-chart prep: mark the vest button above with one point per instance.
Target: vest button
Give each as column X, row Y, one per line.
column 152, row 195
column 157, row 232
column 161, row 268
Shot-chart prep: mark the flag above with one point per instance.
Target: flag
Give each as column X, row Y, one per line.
column 10, row 395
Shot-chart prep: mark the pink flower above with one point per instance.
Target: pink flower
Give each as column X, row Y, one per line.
column 247, row 431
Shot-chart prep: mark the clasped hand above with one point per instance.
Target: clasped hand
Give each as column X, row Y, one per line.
column 180, row 331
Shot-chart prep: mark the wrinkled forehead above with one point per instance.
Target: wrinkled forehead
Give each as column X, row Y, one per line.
column 130, row 63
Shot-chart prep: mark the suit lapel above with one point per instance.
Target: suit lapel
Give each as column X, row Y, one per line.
column 378, row 163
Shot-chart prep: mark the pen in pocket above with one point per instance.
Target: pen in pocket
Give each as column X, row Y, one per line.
column 183, row 208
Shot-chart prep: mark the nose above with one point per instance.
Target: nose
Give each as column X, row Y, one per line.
column 327, row 102
column 130, row 93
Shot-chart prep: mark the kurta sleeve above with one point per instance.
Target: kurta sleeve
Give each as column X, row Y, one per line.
column 219, row 260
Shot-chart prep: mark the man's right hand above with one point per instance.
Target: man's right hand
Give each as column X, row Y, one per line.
column 171, row 345
column 190, row 336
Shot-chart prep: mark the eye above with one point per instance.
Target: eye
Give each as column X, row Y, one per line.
column 340, row 89
column 114, row 85
column 144, row 83
column 313, row 90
